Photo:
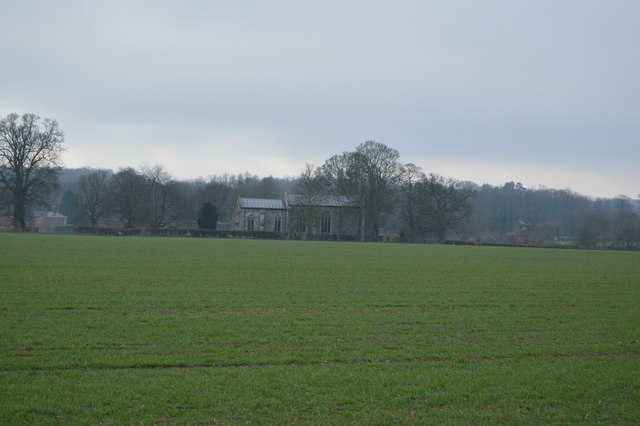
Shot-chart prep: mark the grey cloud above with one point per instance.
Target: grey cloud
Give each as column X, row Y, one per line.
column 491, row 79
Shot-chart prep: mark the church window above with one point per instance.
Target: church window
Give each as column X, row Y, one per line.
column 302, row 224
column 325, row 225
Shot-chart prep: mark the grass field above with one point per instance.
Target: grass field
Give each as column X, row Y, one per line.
column 158, row 330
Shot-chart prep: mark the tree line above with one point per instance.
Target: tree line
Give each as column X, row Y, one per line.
column 396, row 198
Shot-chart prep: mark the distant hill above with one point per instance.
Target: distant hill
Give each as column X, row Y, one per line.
column 73, row 175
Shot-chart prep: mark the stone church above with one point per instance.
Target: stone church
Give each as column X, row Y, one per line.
column 327, row 217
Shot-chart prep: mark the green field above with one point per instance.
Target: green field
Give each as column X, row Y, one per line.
column 159, row 330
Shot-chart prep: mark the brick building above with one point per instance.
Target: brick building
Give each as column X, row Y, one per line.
column 47, row 221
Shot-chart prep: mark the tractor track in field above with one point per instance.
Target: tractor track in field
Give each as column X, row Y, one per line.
column 47, row 346
column 434, row 360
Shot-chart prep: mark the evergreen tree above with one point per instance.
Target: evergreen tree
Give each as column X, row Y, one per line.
column 207, row 216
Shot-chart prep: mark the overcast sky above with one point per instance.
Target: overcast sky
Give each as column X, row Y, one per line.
column 544, row 92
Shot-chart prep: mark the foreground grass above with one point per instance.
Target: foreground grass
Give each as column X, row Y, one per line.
column 149, row 330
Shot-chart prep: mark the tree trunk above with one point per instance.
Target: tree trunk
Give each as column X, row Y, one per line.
column 19, row 223
column 362, row 229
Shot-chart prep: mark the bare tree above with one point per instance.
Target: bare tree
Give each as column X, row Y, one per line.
column 217, row 190
column 94, row 195
column 5, row 201
column 129, row 197
column 410, row 178
column 625, row 224
column 590, row 230
column 166, row 201
column 381, row 168
column 443, row 204
column 343, row 176
column 368, row 174
column 309, row 194
column 267, row 188
column 30, row 151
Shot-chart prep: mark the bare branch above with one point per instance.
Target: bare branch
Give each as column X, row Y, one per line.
column 30, row 151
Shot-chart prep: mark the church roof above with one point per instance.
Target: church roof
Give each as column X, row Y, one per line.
column 262, row 203
column 296, row 200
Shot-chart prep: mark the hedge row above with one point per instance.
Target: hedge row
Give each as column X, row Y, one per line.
column 206, row 233
column 169, row 232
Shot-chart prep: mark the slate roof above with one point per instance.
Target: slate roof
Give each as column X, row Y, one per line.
column 262, row 203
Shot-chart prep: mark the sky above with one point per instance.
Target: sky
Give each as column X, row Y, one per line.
column 542, row 92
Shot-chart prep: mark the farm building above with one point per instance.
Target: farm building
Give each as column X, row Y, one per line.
column 327, row 217
column 47, row 221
